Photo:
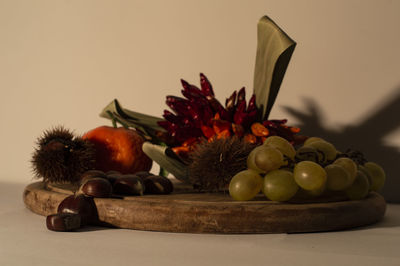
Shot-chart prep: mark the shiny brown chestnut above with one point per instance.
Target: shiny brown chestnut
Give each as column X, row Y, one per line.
column 96, row 187
column 143, row 174
column 91, row 174
column 82, row 205
column 129, row 185
column 113, row 177
column 156, row 184
column 113, row 172
column 62, row 222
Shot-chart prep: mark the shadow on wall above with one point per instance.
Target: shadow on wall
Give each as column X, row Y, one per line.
column 367, row 136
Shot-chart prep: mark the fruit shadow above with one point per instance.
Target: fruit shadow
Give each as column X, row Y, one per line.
column 92, row 228
column 96, row 227
column 367, row 136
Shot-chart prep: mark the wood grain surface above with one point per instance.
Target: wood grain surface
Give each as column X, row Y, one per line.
column 190, row 212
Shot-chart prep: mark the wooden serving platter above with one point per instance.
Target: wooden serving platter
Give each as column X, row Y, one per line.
column 190, row 212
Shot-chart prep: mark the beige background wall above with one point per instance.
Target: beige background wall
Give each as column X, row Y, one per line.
column 61, row 62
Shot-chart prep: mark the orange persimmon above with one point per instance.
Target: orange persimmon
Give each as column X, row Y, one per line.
column 118, row 149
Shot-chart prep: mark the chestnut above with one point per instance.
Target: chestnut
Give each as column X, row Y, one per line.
column 128, row 185
column 113, row 172
column 91, row 174
column 113, row 177
column 156, row 184
column 143, row 174
column 62, row 222
column 96, row 187
column 82, row 205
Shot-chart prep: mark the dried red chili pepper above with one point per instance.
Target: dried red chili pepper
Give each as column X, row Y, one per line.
column 252, row 104
column 221, row 125
column 177, row 104
column 230, row 102
column 206, row 87
column 241, row 97
column 224, row 134
column 294, row 129
column 172, row 117
column 180, row 149
column 238, row 130
column 192, row 94
column 218, row 108
column 240, row 114
column 259, row 130
column 189, row 142
column 191, row 88
column 208, row 132
column 249, row 118
column 250, row 138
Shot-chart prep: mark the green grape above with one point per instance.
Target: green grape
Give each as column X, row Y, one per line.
column 311, row 140
column 309, row 175
column 289, row 169
column 338, row 178
column 366, row 172
column 349, row 165
column 377, row 175
column 245, row 185
column 279, row 185
column 360, row 187
column 282, row 145
column 306, row 153
column 264, row 159
column 316, row 192
column 326, row 148
column 309, row 194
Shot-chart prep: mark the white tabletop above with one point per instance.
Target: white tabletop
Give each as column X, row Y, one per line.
column 25, row 240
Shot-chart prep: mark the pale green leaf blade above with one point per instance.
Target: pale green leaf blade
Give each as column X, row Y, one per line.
column 130, row 117
column 158, row 154
column 274, row 50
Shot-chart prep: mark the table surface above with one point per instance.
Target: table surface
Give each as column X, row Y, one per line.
column 24, row 240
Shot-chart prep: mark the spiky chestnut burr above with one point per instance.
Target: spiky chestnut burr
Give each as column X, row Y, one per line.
column 61, row 157
column 215, row 163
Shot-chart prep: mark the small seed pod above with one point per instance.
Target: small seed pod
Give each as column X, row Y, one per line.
column 62, row 222
column 82, row 205
column 129, row 185
column 96, row 187
column 158, row 185
column 91, row 174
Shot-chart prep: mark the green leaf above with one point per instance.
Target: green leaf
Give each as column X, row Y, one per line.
column 158, row 154
column 145, row 123
column 274, row 50
column 131, row 116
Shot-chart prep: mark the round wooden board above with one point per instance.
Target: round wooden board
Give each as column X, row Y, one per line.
column 190, row 212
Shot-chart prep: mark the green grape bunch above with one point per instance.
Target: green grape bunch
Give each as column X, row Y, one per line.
column 282, row 172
